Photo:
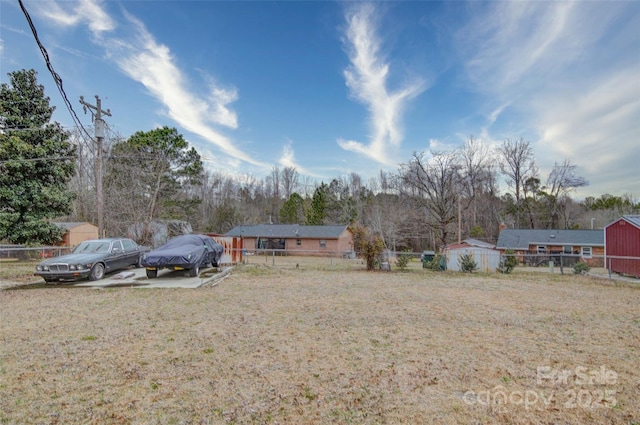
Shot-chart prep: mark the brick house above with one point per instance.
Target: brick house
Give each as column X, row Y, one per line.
column 295, row 239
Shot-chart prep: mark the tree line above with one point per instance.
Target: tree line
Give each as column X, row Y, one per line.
column 432, row 199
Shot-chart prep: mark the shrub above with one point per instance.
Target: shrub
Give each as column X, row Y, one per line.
column 508, row 262
column 402, row 260
column 368, row 246
column 467, row 263
column 580, row 267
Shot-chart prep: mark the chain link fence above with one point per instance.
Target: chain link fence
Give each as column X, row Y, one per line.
column 18, row 253
column 347, row 260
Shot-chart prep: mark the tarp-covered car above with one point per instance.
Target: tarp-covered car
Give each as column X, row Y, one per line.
column 185, row 252
column 92, row 259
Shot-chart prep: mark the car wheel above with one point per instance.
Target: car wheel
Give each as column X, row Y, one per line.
column 152, row 274
column 97, row 272
column 194, row 271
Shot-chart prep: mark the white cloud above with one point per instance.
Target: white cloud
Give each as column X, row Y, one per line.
column 150, row 63
column 288, row 159
column 512, row 41
column 436, row 145
column 220, row 98
column 366, row 78
column 566, row 70
column 85, row 11
column 493, row 115
column 143, row 59
column 600, row 124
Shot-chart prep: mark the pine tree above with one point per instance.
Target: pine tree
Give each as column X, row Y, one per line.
column 318, row 211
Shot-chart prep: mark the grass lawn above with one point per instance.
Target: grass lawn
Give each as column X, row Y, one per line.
column 313, row 343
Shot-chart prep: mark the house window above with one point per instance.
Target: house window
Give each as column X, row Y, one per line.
column 298, row 242
column 566, row 250
column 323, row 243
column 542, row 249
column 586, row 251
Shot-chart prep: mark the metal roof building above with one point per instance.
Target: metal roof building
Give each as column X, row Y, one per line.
column 522, row 239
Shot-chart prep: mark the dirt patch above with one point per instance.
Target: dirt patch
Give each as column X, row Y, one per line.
column 305, row 343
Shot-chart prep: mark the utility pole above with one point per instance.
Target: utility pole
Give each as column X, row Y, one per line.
column 459, row 222
column 98, row 124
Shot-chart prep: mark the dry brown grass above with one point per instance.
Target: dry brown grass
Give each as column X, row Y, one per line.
column 318, row 344
column 12, row 273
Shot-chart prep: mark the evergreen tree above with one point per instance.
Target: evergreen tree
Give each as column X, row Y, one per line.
column 318, row 211
column 36, row 163
column 292, row 211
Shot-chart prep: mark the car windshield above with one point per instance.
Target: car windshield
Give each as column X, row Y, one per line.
column 91, row 247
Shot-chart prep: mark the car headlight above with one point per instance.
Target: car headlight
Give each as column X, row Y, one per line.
column 38, row 268
column 72, row 266
column 81, row 266
column 45, row 268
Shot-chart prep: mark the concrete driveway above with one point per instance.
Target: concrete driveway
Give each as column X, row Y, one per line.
column 137, row 278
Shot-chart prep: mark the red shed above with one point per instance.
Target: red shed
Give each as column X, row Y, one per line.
column 622, row 245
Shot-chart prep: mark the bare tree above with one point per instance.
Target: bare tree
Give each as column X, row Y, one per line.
column 478, row 180
column 434, row 183
column 382, row 218
column 290, row 181
column 562, row 180
column 518, row 166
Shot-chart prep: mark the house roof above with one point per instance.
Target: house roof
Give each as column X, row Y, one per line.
column 292, row 231
column 475, row 243
column 71, row 225
column 522, row 238
column 632, row 219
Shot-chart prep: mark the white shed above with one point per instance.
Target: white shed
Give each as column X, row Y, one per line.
column 485, row 255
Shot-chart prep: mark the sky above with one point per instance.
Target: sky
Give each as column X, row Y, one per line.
column 332, row 88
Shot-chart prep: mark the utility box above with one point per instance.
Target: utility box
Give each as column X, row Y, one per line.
column 427, row 257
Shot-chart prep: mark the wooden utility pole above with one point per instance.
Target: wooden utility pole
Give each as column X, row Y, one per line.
column 459, row 222
column 98, row 124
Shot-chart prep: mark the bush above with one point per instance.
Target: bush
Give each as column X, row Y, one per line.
column 368, row 246
column 581, row 268
column 402, row 260
column 467, row 263
column 508, row 262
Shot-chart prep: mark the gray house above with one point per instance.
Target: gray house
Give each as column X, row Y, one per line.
column 586, row 245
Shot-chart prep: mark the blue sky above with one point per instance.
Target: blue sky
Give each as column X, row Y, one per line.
column 338, row 87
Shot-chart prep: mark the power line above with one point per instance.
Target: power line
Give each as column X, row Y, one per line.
column 54, row 74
